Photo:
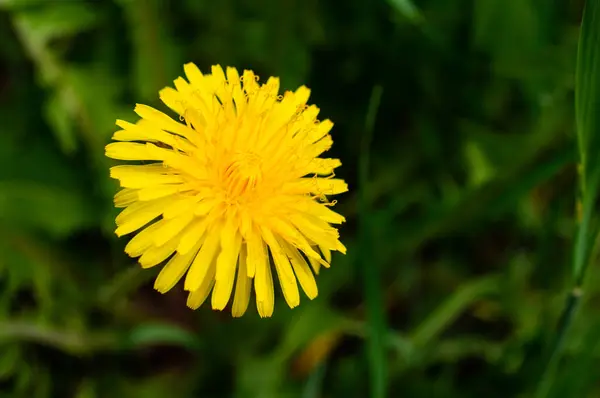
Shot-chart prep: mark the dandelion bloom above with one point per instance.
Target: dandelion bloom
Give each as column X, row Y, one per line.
column 236, row 178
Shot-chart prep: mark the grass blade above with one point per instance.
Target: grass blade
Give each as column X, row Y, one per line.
column 377, row 330
column 587, row 105
column 446, row 313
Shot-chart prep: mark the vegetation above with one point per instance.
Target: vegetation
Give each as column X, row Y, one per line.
column 469, row 137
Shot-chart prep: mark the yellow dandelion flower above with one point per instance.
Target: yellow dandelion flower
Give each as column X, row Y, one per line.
column 237, row 177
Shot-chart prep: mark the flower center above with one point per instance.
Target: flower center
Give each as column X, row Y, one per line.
column 242, row 174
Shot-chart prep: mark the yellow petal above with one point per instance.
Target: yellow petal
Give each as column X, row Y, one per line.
column 250, row 85
column 135, row 151
column 192, row 235
column 283, row 228
column 125, row 197
column 225, row 273
column 302, row 94
column 203, row 260
column 171, row 228
column 290, row 233
column 320, row 130
column 199, row 93
column 283, row 111
column 184, row 204
column 218, row 74
column 148, row 168
column 245, row 223
column 205, row 206
column 233, row 77
column 317, row 209
column 287, row 280
column 173, row 99
column 242, row 287
column 266, row 95
column 193, row 74
column 326, row 253
column 186, row 165
column 263, row 285
column 316, row 149
column 315, row 264
column 257, row 255
column 302, row 271
column 161, row 191
column 185, row 104
column 139, row 214
column 198, row 296
column 174, row 270
column 230, row 241
column 319, row 186
column 318, row 231
column 139, row 176
column 145, row 130
column 321, row 166
column 163, row 121
column 143, row 240
column 157, row 254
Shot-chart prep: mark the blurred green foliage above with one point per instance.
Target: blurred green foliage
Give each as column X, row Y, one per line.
column 455, row 121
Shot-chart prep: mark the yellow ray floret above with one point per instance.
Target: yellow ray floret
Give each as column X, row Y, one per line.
column 230, row 191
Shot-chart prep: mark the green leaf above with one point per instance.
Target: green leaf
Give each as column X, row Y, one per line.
column 95, row 104
column 75, row 343
column 260, row 377
column 57, row 20
column 480, row 168
column 162, row 333
column 17, row 4
column 49, row 208
column 313, row 386
column 123, row 283
column 407, row 9
column 86, row 390
column 450, row 309
column 587, row 111
column 60, row 121
column 9, row 360
column 510, row 31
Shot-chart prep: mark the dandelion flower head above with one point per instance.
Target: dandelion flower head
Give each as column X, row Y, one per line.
column 232, row 190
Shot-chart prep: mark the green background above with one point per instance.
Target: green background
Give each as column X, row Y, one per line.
column 455, row 123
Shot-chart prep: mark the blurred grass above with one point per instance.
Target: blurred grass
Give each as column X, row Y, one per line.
column 587, row 103
column 463, row 212
column 369, row 268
